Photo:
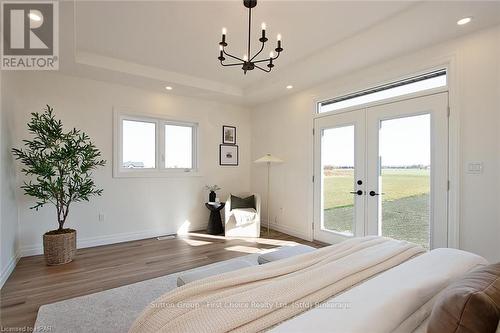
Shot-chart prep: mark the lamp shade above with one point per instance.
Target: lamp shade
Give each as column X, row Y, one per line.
column 268, row 158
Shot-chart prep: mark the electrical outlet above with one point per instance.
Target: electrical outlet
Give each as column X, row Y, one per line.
column 475, row 168
column 282, row 211
column 275, row 220
column 101, row 217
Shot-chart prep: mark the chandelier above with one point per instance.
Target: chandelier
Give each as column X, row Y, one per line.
column 249, row 62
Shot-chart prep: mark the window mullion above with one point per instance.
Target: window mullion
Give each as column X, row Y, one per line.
column 161, row 145
column 194, row 145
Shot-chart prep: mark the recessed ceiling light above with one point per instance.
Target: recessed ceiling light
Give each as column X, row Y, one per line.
column 464, row 20
column 34, row 17
column 169, row 88
column 289, row 86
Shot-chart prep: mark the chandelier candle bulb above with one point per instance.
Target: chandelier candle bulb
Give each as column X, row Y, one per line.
column 224, row 32
column 263, row 29
column 221, row 53
column 271, row 56
column 270, row 64
column 278, row 49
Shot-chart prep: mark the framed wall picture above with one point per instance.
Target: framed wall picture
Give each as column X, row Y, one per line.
column 228, row 135
column 228, row 155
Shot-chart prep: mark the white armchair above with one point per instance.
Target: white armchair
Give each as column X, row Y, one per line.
column 242, row 223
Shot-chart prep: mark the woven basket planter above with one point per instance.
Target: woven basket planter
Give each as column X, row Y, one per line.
column 59, row 248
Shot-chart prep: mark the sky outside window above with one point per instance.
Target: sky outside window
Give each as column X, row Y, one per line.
column 178, row 146
column 139, row 139
column 431, row 83
column 404, row 142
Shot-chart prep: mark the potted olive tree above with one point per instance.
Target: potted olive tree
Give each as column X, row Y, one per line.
column 59, row 166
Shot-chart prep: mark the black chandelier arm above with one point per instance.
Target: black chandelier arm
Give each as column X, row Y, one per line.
column 232, row 56
column 262, row 69
column 265, row 60
column 235, row 64
column 277, row 56
column 256, row 54
column 259, row 61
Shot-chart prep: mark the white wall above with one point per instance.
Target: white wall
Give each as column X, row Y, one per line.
column 8, row 206
column 284, row 128
column 133, row 207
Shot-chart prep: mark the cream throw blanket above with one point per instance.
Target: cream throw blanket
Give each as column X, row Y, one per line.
column 256, row 298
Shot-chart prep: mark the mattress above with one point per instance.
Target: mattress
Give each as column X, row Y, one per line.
column 398, row 300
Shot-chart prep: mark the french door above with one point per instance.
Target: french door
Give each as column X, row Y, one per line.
column 383, row 170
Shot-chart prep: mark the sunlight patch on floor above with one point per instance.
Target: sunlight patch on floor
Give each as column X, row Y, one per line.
column 245, row 249
column 268, row 241
column 252, row 240
column 194, row 242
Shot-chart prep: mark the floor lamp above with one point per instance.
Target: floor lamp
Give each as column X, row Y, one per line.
column 268, row 159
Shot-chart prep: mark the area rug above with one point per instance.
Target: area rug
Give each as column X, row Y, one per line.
column 113, row 310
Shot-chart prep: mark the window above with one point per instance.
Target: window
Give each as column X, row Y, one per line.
column 139, row 142
column 178, row 146
column 411, row 85
column 150, row 147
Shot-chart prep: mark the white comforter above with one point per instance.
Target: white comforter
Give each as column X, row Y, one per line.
column 398, row 300
column 256, row 298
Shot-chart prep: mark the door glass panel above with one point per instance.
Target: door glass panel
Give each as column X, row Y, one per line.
column 405, row 179
column 337, row 160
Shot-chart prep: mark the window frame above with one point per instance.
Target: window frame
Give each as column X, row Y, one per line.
column 159, row 170
column 318, row 101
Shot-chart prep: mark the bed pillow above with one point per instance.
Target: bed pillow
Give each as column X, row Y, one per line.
column 237, row 202
column 471, row 304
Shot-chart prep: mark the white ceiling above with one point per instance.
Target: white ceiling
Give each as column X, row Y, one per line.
column 156, row 43
column 183, row 36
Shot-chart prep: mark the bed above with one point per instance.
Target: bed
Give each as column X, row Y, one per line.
column 397, row 300
column 369, row 284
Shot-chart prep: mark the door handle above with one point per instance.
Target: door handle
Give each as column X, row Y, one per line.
column 373, row 193
column 358, row 192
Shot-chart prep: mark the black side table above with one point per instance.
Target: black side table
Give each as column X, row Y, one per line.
column 215, row 222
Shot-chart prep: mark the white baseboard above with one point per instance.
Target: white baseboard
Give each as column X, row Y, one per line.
column 106, row 240
column 289, row 231
column 4, row 275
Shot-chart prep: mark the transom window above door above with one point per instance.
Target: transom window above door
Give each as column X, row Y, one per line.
column 428, row 81
column 154, row 147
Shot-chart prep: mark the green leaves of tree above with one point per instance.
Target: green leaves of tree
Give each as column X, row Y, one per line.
column 59, row 163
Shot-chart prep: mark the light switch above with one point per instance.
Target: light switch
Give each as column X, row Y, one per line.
column 475, row 168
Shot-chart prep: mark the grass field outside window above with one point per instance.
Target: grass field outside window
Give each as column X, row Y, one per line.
column 405, row 204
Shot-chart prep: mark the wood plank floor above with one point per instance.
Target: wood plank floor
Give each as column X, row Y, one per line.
column 33, row 284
